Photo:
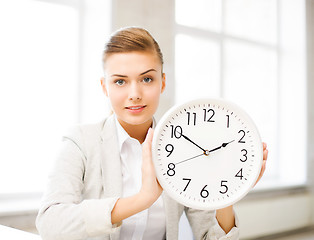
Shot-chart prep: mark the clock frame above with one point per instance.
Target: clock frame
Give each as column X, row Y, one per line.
column 207, row 153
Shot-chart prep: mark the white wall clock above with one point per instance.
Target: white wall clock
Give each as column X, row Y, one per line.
column 207, row 153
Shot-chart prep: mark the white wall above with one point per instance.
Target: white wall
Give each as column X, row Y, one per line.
column 310, row 87
column 310, row 97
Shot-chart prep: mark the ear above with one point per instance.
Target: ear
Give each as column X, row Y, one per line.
column 163, row 82
column 103, row 85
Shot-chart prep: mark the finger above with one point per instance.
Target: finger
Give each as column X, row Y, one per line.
column 159, row 183
column 147, row 165
column 263, row 168
column 261, row 172
column 149, row 136
column 265, row 154
column 264, row 146
column 148, row 141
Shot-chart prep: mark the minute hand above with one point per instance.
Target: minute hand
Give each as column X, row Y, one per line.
column 193, row 142
column 222, row 145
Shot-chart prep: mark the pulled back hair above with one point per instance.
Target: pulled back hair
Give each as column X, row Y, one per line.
column 132, row 39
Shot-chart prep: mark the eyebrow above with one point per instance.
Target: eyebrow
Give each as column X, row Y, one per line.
column 119, row 75
column 148, row 71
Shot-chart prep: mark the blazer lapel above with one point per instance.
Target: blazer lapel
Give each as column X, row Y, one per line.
column 110, row 162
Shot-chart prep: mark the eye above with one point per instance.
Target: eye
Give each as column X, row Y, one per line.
column 119, row 82
column 147, row 80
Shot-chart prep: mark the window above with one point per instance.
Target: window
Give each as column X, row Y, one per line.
column 43, row 75
column 251, row 53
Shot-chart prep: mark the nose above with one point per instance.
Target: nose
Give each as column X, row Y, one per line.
column 135, row 92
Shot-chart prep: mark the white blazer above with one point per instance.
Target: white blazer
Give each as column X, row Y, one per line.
column 85, row 184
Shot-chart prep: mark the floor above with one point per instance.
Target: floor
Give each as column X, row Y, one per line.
column 302, row 235
column 306, row 234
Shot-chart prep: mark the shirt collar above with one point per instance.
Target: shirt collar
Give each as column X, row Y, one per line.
column 122, row 134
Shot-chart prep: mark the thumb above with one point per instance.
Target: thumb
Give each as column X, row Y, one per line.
column 149, row 136
column 147, row 144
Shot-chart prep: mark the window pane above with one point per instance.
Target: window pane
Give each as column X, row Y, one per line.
column 255, row 20
column 197, row 68
column 293, row 92
column 38, row 88
column 205, row 14
column 251, row 82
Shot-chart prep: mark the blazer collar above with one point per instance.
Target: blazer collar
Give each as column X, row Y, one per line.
column 109, row 129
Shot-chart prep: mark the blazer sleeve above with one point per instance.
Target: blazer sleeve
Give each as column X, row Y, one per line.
column 63, row 213
column 206, row 227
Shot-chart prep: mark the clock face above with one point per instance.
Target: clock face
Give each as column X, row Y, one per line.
column 207, row 153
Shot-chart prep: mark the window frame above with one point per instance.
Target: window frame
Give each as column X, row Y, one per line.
column 221, row 37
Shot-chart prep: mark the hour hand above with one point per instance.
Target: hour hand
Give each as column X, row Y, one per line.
column 222, row 145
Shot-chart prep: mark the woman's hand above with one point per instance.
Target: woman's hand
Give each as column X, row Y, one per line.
column 265, row 155
column 149, row 193
column 151, row 188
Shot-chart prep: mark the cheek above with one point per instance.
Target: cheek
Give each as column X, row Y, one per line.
column 154, row 95
column 116, row 97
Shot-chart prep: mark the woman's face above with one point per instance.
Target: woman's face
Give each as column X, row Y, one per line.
column 133, row 82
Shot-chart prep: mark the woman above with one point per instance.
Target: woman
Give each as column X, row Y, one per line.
column 104, row 174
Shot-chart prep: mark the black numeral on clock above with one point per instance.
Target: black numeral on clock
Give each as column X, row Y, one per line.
column 171, row 168
column 243, row 135
column 223, row 185
column 176, row 131
column 208, row 117
column 193, row 120
column 244, row 151
column 186, row 179
column 228, row 119
column 169, row 148
column 240, row 174
column 204, row 193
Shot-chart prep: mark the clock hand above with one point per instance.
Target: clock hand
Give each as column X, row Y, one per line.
column 222, row 145
column 189, row 159
column 204, row 151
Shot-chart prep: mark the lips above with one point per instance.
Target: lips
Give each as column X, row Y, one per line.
column 136, row 109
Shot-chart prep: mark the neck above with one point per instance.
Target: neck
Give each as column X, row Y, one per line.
column 137, row 131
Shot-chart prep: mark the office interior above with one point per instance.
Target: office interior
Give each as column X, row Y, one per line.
column 256, row 53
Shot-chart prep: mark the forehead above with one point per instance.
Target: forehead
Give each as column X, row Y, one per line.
column 131, row 63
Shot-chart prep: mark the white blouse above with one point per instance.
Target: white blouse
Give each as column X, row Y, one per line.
column 150, row 223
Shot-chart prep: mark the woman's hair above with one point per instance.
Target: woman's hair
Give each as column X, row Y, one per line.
column 132, row 39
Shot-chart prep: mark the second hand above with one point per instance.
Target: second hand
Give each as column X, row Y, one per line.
column 190, row 158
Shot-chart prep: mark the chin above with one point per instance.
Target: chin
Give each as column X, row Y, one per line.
column 137, row 120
